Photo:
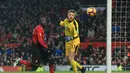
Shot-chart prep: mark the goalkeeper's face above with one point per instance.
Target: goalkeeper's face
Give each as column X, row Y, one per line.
column 71, row 16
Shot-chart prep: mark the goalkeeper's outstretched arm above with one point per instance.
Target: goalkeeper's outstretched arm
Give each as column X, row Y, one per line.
column 62, row 23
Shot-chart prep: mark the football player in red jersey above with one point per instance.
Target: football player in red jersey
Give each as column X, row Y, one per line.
column 40, row 51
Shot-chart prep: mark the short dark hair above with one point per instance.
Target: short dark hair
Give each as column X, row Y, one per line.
column 71, row 10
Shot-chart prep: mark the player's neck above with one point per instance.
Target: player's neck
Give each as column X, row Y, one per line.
column 43, row 25
column 70, row 21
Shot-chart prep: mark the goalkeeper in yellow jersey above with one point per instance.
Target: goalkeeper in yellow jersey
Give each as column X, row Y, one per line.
column 72, row 40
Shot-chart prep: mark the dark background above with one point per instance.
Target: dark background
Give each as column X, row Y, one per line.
column 83, row 2
column 90, row 2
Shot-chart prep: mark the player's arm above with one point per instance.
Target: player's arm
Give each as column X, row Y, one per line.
column 62, row 23
column 40, row 38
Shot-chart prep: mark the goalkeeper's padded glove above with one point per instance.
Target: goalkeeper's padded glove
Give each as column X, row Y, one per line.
column 68, row 38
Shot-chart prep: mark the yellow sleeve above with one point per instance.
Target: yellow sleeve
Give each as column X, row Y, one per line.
column 62, row 23
column 76, row 29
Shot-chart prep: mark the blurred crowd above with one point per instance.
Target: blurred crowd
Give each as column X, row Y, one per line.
column 19, row 17
column 97, row 56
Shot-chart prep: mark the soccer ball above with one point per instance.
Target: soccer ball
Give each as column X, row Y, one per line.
column 91, row 11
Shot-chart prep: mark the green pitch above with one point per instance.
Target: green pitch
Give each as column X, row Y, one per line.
column 69, row 72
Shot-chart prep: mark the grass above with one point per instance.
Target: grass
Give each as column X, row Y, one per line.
column 70, row 72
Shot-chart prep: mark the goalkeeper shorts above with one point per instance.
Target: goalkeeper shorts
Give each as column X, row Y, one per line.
column 69, row 48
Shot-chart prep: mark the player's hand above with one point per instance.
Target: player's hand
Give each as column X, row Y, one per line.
column 61, row 23
column 48, row 50
column 68, row 38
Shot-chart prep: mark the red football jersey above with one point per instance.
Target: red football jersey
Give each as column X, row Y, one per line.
column 38, row 36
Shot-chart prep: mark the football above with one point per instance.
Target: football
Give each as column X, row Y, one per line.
column 91, row 11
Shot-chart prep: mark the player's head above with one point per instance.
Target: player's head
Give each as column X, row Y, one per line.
column 71, row 15
column 43, row 20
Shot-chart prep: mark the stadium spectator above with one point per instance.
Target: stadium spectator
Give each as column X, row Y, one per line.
column 116, row 28
column 91, row 33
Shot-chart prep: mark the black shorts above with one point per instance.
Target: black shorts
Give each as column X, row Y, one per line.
column 39, row 55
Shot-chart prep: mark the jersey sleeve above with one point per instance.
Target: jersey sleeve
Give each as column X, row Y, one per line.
column 40, row 38
column 62, row 23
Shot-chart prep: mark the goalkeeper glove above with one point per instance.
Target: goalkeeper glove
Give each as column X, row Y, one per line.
column 68, row 38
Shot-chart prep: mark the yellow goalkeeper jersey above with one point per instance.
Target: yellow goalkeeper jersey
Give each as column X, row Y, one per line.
column 71, row 29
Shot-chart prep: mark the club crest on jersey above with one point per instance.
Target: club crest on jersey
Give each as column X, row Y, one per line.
column 66, row 28
column 40, row 34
